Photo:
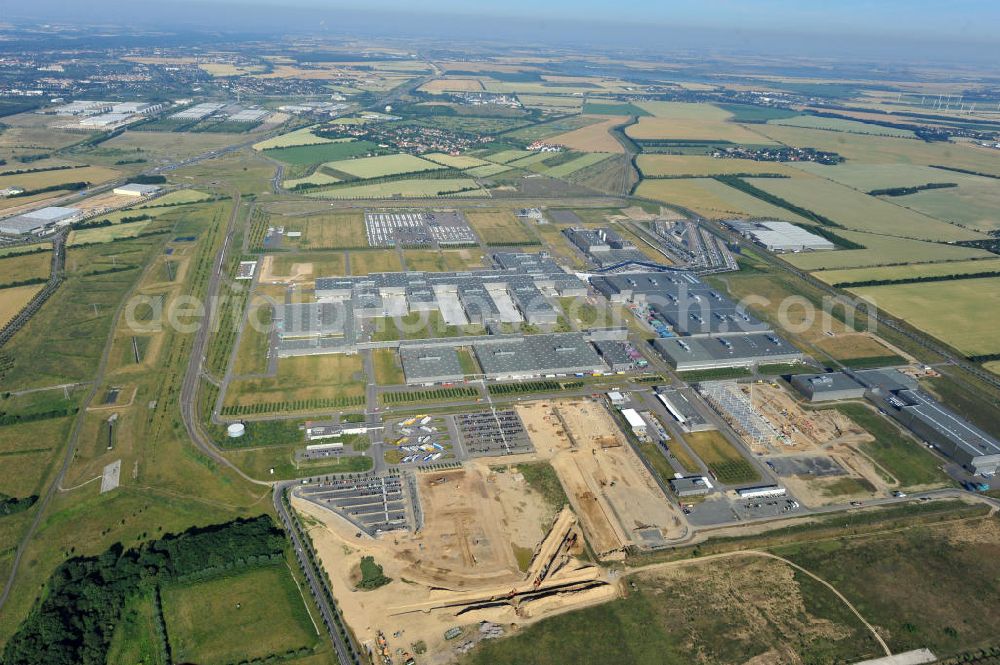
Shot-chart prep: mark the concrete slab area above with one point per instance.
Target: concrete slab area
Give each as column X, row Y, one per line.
column 112, row 473
column 915, row 657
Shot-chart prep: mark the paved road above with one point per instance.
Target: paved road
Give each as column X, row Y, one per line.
column 189, row 387
column 314, row 577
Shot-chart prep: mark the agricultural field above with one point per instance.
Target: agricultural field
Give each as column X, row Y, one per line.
column 344, row 230
column 690, row 122
column 974, row 204
column 595, row 137
column 700, row 165
column 722, row 459
column 841, row 125
column 31, row 182
column 883, row 250
column 909, row 271
column 487, row 170
column 551, row 103
column 105, row 234
column 25, row 267
column 179, row 197
column 711, row 198
column 961, row 313
column 153, row 146
column 452, row 85
column 225, row 620
column 302, row 136
column 866, row 177
column 455, row 161
column 861, row 212
column 498, row 226
column 301, row 378
column 410, row 188
column 317, row 178
column 304, row 155
column 575, row 164
column 384, row 165
column 867, row 149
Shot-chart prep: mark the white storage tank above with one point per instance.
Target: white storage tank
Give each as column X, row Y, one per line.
column 236, row 430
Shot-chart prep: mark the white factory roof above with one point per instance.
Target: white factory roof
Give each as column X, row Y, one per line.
column 784, row 234
column 137, row 188
column 633, row 418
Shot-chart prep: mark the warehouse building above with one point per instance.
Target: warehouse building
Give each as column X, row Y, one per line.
column 135, row 189
column 37, row 221
column 690, row 486
column 900, row 396
column 635, row 422
column 687, row 354
column 781, row 236
column 679, row 403
column 430, row 364
column 604, row 246
column 828, row 387
column 531, row 356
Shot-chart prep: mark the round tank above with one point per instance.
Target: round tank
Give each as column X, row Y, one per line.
column 236, row 430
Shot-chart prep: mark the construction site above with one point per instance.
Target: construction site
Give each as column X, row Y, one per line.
column 491, row 555
column 618, row 500
column 817, row 452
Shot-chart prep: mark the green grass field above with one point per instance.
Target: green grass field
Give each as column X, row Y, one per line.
column 861, row 212
column 455, row 161
column 179, row 197
column 909, row 271
column 253, row 614
column 383, row 165
column 964, row 313
column 498, row 226
column 882, row 250
column 676, row 617
column 302, row 378
column 25, row 267
column 721, row 457
column 335, row 230
column 909, row 462
column 299, row 137
column 363, row 263
column 841, row 125
column 922, row 588
column 712, row 199
column 135, row 640
column 388, row 370
column 304, row 155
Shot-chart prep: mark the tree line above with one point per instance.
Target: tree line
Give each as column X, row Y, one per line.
column 73, row 622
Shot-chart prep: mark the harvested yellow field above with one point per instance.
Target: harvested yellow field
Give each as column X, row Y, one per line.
column 700, row 165
column 592, row 138
column 31, row 181
column 711, row 198
column 679, row 120
column 14, row 299
column 25, row 267
column 452, row 85
column 693, row 129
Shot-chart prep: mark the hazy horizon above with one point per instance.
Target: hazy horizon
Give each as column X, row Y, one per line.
column 901, row 33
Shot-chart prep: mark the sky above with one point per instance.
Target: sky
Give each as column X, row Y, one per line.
column 923, row 29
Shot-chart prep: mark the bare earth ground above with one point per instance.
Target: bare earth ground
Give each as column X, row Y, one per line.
column 607, row 485
column 447, row 574
column 818, row 433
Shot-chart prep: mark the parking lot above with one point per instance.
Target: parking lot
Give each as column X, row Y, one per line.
column 497, row 432
column 372, row 504
column 418, row 229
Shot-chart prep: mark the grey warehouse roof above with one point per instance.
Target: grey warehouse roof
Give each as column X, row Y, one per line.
column 686, row 353
column 533, row 355
column 430, row 364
